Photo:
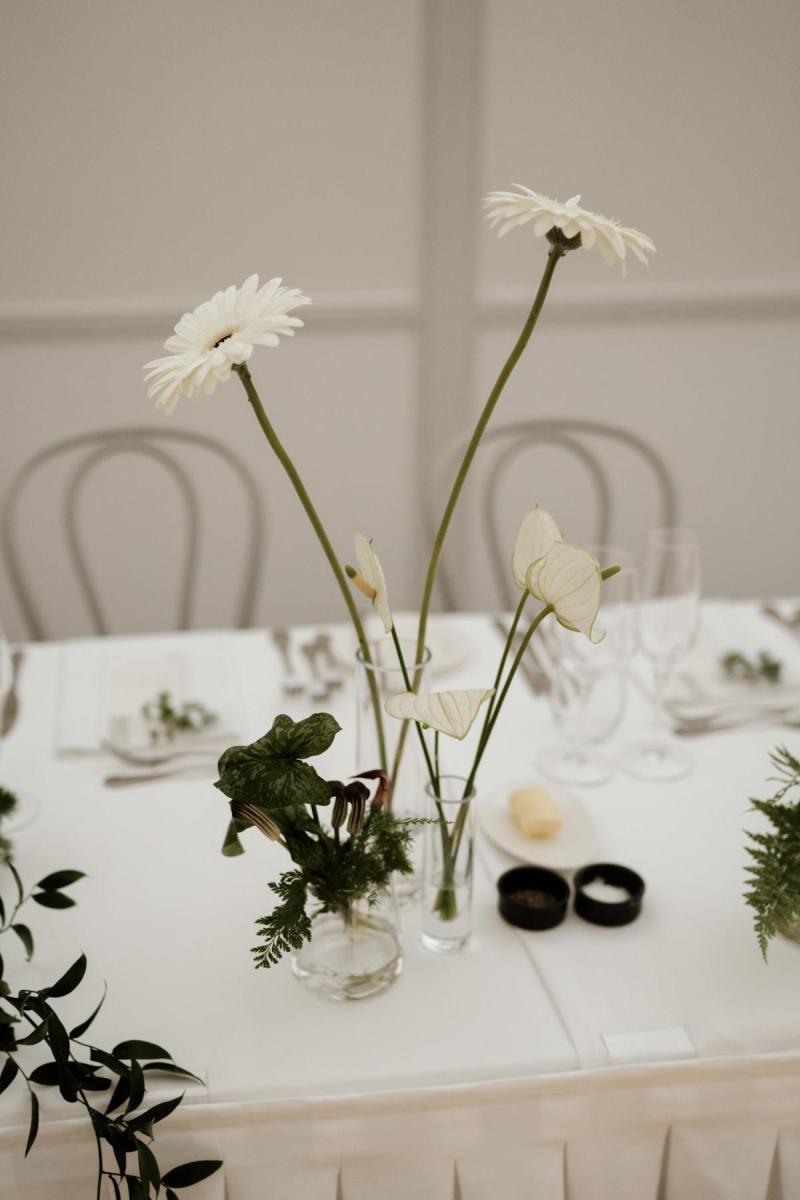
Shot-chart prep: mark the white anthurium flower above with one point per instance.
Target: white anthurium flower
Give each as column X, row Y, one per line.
column 537, row 533
column 452, row 713
column 508, row 209
column 371, row 580
column 568, row 578
column 221, row 334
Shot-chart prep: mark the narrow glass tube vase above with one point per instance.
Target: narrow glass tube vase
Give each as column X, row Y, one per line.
column 405, row 797
column 352, row 953
column 448, row 867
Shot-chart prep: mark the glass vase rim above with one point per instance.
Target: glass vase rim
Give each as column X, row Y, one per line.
column 451, row 799
column 381, row 668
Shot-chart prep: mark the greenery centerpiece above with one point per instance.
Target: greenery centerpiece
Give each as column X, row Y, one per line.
column 773, row 888
column 218, row 339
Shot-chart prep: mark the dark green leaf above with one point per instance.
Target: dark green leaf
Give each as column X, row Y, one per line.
column 70, row 979
column 270, row 772
column 232, row 847
column 119, row 1096
column 148, row 1167
column 53, row 900
column 115, row 1185
column 95, row 1084
column 191, row 1172
column 171, row 1195
column 170, row 1068
column 26, row 937
column 80, row 1029
column 139, row 1049
column 37, row 1035
column 17, row 880
column 119, row 1144
column 48, row 1074
column 34, row 1126
column 58, row 1038
column 157, row 1113
column 59, row 879
column 8, row 1074
column 109, row 1060
column 135, row 1189
column 137, row 1087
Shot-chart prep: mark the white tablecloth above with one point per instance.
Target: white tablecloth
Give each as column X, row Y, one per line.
column 499, row 1067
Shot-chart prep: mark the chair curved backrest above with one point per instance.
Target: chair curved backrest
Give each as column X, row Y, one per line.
column 153, row 443
column 570, row 434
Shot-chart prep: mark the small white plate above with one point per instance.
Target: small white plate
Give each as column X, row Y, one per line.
column 573, row 845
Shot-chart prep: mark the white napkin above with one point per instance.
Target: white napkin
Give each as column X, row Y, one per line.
column 700, row 683
column 103, row 685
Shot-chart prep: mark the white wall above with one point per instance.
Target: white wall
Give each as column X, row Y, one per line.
column 155, row 152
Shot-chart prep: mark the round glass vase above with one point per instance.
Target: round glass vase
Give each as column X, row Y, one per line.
column 447, row 867
column 352, row 953
column 405, row 799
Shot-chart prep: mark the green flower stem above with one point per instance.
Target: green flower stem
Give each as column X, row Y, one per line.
column 325, row 542
column 552, row 259
column 504, row 658
column 434, row 774
column 407, row 681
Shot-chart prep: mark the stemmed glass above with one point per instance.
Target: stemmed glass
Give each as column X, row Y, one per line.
column 668, row 625
column 588, row 682
column 27, row 807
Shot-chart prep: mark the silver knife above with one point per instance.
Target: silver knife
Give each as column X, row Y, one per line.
column 10, row 711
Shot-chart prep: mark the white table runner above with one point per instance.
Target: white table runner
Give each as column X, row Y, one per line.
column 527, row 1009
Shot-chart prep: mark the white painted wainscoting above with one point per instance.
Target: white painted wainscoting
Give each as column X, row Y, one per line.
column 158, row 152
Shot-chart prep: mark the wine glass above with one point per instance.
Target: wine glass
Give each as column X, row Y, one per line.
column 588, row 683
column 668, row 625
column 27, row 807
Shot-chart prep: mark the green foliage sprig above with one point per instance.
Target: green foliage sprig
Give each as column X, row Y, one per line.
column 8, row 802
column 82, row 1071
column 739, row 666
column 351, row 858
column 167, row 721
column 773, row 890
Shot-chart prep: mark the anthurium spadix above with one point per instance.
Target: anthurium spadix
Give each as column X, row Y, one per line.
column 371, row 581
column 568, row 578
column 537, row 533
column 452, row 713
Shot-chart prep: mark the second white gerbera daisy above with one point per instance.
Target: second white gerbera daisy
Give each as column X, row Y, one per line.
column 219, row 335
column 508, row 209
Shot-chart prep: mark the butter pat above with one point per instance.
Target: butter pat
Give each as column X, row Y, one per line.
column 534, row 813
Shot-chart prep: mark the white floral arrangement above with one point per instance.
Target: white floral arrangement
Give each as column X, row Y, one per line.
column 219, row 337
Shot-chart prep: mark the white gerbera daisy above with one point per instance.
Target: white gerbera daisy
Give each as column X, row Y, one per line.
column 508, row 209
column 219, row 335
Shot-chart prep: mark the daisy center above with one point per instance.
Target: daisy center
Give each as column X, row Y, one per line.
column 225, row 337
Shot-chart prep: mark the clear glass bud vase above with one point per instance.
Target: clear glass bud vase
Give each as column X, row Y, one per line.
column 405, row 797
column 448, row 867
column 354, row 952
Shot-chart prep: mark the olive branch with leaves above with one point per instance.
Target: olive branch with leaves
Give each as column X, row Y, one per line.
column 79, row 1069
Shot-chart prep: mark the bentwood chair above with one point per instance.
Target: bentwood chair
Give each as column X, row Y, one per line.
column 83, row 455
column 585, row 443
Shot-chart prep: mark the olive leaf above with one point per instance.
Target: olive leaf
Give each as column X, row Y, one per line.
column 271, row 772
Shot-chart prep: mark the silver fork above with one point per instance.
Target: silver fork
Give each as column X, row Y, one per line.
column 291, row 683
